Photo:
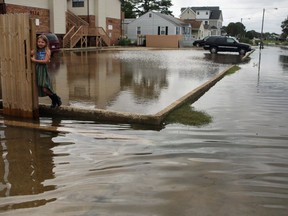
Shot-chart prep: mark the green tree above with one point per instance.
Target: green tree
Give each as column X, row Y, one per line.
column 284, row 27
column 236, row 29
column 128, row 7
column 252, row 34
column 135, row 8
column 164, row 7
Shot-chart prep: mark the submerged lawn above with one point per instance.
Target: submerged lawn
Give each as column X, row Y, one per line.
column 187, row 115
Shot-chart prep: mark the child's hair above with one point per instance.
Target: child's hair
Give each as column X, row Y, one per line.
column 43, row 37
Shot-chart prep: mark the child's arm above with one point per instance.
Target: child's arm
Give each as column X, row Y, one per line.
column 44, row 61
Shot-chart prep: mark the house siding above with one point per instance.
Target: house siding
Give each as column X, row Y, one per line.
column 109, row 18
column 52, row 14
column 149, row 26
column 104, row 10
column 188, row 14
column 202, row 14
column 218, row 25
column 58, row 16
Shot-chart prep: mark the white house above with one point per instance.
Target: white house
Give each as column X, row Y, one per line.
column 198, row 30
column 210, row 16
column 155, row 23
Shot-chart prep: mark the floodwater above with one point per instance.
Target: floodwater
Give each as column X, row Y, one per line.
column 138, row 81
column 237, row 165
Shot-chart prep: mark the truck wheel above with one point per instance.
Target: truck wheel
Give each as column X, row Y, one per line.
column 213, row 50
column 242, row 52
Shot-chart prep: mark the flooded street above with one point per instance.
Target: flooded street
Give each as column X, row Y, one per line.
column 236, row 165
column 138, row 81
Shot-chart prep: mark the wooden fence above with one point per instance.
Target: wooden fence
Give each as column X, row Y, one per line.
column 18, row 84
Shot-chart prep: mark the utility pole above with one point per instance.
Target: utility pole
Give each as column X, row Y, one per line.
column 261, row 40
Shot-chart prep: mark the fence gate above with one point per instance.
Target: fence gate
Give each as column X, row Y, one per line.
column 19, row 93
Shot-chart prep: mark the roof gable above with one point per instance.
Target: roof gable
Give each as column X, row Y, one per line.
column 169, row 18
column 186, row 10
column 215, row 12
column 166, row 17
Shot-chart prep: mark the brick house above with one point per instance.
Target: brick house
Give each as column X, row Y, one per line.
column 91, row 21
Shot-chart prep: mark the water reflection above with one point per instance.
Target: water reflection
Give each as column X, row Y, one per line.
column 225, row 58
column 26, row 163
column 235, row 165
column 145, row 80
column 131, row 81
column 283, row 59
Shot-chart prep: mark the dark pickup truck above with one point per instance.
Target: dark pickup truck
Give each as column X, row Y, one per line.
column 226, row 44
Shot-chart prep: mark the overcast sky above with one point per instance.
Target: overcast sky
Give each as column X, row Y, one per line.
column 251, row 12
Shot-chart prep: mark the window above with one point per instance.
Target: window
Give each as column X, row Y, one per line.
column 139, row 30
column 150, row 15
column 77, row 3
column 177, row 30
column 207, row 13
column 230, row 40
column 206, row 22
column 163, row 30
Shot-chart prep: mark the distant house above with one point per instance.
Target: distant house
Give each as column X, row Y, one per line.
column 210, row 16
column 197, row 28
column 155, row 23
column 125, row 24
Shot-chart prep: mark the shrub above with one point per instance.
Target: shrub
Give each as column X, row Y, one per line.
column 125, row 42
column 246, row 40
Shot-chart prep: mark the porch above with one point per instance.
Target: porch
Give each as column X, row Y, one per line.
column 79, row 32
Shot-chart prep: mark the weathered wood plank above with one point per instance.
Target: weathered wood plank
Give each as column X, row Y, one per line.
column 17, row 73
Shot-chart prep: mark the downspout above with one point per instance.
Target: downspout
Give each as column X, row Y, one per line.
column 88, row 19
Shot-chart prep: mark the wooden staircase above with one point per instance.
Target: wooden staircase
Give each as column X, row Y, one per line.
column 79, row 30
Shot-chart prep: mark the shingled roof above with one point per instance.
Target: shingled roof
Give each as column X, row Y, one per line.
column 194, row 23
column 170, row 18
column 205, row 8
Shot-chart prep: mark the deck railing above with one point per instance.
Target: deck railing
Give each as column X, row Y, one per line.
column 79, row 30
column 78, row 35
column 100, row 32
column 75, row 20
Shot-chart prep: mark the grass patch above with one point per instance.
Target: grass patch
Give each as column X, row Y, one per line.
column 187, row 115
column 233, row 70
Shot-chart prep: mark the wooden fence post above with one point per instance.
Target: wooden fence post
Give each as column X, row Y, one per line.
column 18, row 37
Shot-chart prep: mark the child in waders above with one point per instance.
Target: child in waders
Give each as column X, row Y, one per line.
column 41, row 56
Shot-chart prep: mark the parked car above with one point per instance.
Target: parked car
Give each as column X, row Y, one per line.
column 201, row 42
column 54, row 43
column 226, row 44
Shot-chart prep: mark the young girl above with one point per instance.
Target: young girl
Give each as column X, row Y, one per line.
column 42, row 57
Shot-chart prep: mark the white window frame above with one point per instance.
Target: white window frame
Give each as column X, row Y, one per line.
column 78, row 3
column 138, row 30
